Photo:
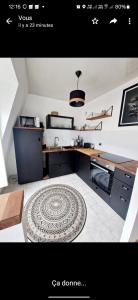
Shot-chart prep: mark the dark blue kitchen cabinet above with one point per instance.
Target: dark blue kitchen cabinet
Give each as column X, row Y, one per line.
column 121, row 192
column 82, row 166
column 28, row 150
column 60, row 163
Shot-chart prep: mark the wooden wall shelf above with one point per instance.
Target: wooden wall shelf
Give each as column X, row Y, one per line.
column 29, row 128
column 106, row 114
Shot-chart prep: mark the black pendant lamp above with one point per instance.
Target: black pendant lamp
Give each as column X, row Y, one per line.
column 77, row 97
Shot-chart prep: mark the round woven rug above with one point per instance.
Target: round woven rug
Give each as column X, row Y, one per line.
column 56, row 213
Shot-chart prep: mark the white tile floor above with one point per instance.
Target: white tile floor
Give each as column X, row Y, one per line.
column 102, row 223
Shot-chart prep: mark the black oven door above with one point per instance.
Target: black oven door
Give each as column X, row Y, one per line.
column 102, row 177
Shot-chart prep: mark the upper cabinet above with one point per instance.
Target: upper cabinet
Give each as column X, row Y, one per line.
column 59, row 122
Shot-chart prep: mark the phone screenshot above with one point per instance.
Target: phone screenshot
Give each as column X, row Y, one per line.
column 38, row 15
column 69, row 147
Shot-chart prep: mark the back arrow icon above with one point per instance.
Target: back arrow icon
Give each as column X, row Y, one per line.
column 8, row 21
column 113, row 21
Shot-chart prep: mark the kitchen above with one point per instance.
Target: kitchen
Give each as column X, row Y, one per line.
column 86, row 143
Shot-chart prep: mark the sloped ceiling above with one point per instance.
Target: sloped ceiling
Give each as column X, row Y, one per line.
column 55, row 77
column 8, row 89
column 20, row 96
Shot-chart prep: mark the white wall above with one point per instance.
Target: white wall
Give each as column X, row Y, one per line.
column 3, row 175
column 114, row 139
column 130, row 230
column 134, row 232
column 8, row 88
column 19, row 65
column 42, row 106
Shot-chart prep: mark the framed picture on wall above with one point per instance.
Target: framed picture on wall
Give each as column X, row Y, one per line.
column 129, row 107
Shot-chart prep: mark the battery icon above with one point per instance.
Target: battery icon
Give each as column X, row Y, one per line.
column 36, row 6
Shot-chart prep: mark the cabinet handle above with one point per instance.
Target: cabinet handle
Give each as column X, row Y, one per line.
column 128, row 176
column 125, row 188
column 39, row 139
column 122, row 199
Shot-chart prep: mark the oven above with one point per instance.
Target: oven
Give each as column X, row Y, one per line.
column 101, row 175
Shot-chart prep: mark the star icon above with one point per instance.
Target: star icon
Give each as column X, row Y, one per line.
column 95, row 21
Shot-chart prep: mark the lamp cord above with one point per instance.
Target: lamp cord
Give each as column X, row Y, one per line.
column 77, row 83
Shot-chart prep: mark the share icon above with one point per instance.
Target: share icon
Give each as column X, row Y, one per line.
column 113, row 21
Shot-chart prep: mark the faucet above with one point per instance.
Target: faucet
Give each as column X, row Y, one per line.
column 56, row 139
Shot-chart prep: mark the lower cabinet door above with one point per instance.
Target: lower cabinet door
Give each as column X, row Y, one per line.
column 83, row 167
column 124, row 176
column 105, row 196
column 119, row 200
column 60, row 157
column 60, row 169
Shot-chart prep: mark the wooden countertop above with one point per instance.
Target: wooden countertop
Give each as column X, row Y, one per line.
column 86, row 151
column 47, row 150
column 29, row 128
column 129, row 167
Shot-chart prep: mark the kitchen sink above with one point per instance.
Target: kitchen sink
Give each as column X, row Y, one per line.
column 68, row 147
column 54, row 148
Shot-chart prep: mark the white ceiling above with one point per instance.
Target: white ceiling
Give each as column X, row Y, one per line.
column 55, row 77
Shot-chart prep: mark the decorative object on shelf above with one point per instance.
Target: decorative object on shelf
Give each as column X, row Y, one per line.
column 37, row 122
column 129, row 107
column 41, row 125
column 84, row 126
column 44, row 146
column 54, row 113
column 90, row 115
column 77, row 128
column 56, row 213
column 104, row 114
column 56, row 141
column 77, row 97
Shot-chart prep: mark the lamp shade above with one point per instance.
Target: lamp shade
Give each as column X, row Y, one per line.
column 77, row 98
